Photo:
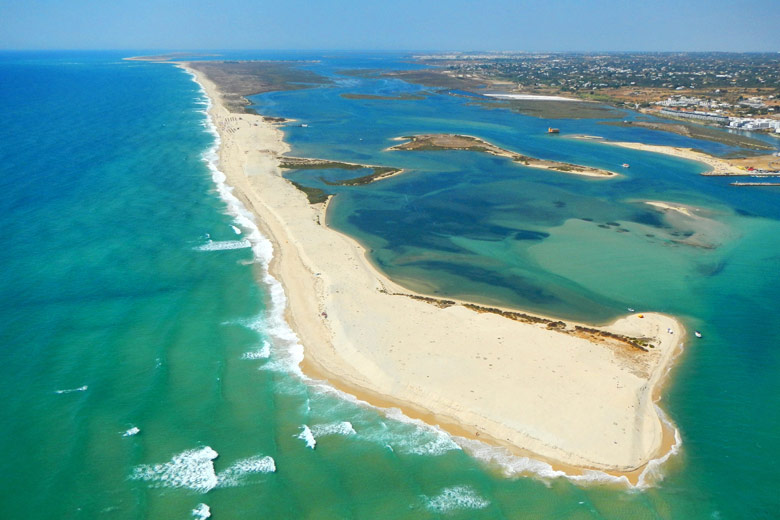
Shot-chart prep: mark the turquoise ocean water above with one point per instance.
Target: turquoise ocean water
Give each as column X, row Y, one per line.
column 146, row 369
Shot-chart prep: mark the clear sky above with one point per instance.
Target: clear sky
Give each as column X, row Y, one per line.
column 540, row 25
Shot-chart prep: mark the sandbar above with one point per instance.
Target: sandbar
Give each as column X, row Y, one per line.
column 580, row 399
column 429, row 142
column 718, row 167
column 679, row 208
column 535, row 97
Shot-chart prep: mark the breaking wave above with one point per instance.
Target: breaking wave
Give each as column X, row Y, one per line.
column 201, row 512
column 223, row 245
column 263, row 352
column 456, row 497
column 308, row 437
column 192, row 469
column 653, row 472
column 131, row 432
column 239, row 471
column 336, row 428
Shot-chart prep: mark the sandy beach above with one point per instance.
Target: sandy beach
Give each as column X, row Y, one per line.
column 568, row 398
column 535, row 97
column 717, row 166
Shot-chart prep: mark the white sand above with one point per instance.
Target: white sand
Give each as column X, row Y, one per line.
column 534, row 97
column 717, row 166
column 679, row 208
column 561, row 397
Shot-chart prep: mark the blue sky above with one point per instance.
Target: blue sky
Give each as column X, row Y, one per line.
column 551, row 25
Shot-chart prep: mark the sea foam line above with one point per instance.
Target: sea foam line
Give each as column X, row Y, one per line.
column 223, row 245
column 263, row 352
column 282, row 336
column 309, row 435
column 653, row 472
column 71, row 390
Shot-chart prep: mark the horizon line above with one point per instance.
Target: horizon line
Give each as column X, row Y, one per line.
column 428, row 51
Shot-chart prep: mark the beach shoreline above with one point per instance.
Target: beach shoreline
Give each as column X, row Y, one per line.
column 364, row 335
column 718, row 167
column 535, row 97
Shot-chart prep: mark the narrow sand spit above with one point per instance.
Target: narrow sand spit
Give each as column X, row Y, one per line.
column 717, row 166
column 575, row 399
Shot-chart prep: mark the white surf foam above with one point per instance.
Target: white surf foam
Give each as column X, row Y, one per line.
column 223, row 245
column 193, row 469
column 263, row 352
column 336, row 428
column 201, row 512
column 71, row 390
column 456, row 497
column 236, row 230
column 514, row 465
column 424, row 439
column 411, row 437
column 238, row 471
column 132, row 431
column 283, row 339
column 531, row 97
column 307, row 437
column 653, row 472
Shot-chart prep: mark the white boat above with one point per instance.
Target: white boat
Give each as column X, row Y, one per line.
column 697, row 333
column 625, row 165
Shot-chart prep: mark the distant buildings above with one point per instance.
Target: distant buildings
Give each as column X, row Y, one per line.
column 674, row 105
column 708, row 117
column 749, row 123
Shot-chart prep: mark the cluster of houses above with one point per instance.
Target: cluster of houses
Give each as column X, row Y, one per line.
column 679, row 106
column 750, row 123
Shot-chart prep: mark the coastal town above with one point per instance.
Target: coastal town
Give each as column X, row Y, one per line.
column 736, row 90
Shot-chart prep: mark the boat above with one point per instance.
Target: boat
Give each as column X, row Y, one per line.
column 625, row 165
column 697, row 333
column 551, row 130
